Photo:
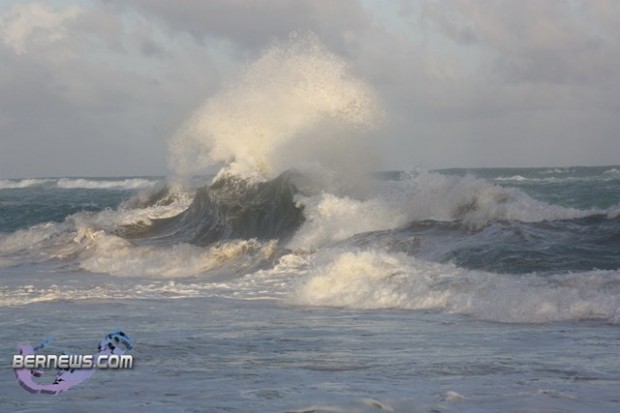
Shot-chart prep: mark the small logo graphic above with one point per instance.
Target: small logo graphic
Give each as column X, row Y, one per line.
column 71, row 369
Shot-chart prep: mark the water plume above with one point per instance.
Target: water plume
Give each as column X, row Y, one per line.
column 297, row 104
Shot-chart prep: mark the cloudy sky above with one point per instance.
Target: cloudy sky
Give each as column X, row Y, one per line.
column 98, row 87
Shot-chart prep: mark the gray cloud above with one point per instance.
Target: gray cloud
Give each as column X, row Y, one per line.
column 549, row 41
column 94, row 101
column 254, row 24
column 543, row 90
column 466, row 83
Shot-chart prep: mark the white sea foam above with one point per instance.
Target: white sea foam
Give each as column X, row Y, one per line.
column 612, row 173
column 422, row 195
column 111, row 219
column 33, row 239
column 79, row 183
column 184, row 271
column 67, row 239
column 330, row 218
column 28, row 294
column 476, row 201
column 114, row 255
column 564, row 176
column 376, row 279
column 21, row 183
column 349, row 279
column 555, row 171
column 512, row 178
column 130, row 183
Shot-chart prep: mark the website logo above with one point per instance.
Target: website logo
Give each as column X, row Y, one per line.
column 71, row 369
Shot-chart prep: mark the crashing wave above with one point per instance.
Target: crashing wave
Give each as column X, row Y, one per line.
column 230, row 208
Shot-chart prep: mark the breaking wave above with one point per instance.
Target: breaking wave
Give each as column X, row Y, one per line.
column 133, row 183
column 376, row 279
column 231, row 208
column 294, row 215
column 21, row 183
column 297, row 103
column 79, row 183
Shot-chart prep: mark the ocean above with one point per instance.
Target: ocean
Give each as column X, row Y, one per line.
column 459, row 290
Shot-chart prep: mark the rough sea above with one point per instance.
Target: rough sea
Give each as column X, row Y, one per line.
column 462, row 290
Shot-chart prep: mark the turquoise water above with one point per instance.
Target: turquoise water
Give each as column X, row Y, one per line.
column 476, row 290
column 578, row 187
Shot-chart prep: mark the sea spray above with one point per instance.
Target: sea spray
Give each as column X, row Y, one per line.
column 296, row 103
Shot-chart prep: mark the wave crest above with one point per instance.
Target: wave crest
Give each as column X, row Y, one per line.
column 231, row 208
column 375, row 279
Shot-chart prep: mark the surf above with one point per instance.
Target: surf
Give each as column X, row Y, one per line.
column 273, row 194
